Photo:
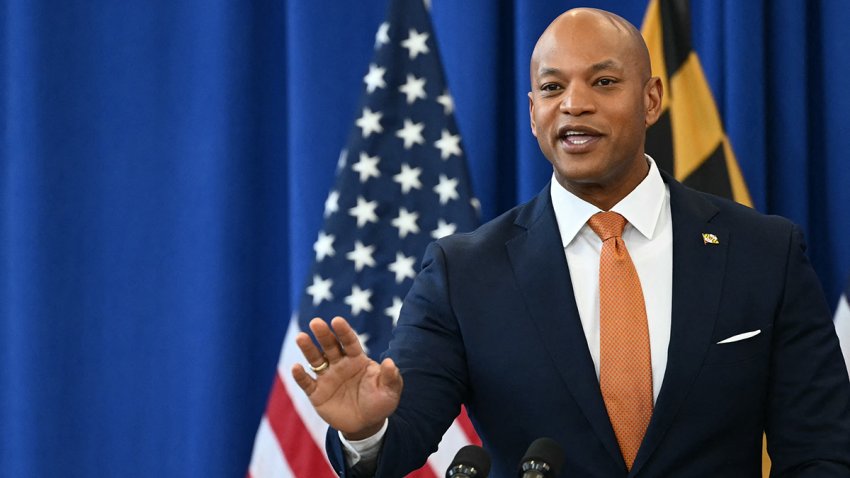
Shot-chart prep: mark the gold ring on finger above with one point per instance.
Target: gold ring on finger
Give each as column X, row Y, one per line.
column 321, row 368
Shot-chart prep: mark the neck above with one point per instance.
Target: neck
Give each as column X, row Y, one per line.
column 607, row 195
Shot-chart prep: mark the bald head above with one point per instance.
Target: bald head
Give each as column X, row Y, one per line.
column 597, row 27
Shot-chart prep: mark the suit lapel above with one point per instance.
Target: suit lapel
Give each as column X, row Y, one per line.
column 698, row 270
column 540, row 268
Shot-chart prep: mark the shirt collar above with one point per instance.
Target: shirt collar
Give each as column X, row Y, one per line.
column 641, row 207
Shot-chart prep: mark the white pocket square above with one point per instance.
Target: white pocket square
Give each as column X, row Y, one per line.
column 739, row 337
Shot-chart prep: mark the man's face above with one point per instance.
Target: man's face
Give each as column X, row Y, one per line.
column 590, row 104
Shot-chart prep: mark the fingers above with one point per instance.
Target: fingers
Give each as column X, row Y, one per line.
column 347, row 337
column 308, row 348
column 335, row 343
column 327, row 339
column 306, row 382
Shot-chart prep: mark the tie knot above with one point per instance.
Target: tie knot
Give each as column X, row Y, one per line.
column 607, row 225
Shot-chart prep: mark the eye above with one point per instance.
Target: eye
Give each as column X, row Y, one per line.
column 549, row 87
column 606, row 81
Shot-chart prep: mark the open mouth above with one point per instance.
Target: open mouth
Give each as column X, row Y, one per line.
column 578, row 138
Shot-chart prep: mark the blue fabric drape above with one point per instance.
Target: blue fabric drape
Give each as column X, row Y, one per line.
column 165, row 164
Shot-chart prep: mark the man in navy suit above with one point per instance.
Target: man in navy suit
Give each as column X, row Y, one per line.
column 506, row 319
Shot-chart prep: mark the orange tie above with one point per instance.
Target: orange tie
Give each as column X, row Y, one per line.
column 625, row 365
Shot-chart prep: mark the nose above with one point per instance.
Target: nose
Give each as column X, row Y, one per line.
column 577, row 100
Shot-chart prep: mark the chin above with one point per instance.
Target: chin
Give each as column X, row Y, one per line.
column 578, row 173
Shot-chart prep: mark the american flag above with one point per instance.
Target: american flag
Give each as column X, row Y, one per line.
column 842, row 323
column 401, row 182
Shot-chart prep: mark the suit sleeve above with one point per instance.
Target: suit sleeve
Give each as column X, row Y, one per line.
column 428, row 349
column 808, row 412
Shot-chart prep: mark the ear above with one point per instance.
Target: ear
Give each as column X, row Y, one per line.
column 531, row 114
column 652, row 100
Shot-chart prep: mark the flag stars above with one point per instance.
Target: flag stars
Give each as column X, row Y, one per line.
column 411, row 133
column 375, row 78
column 414, row 89
column 332, row 203
column 320, row 289
column 447, row 189
column 394, row 311
column 361, row 256
column 415, row 43
column 359, row 300
column 364, row 211
column 382, row 37
column 406, row 222
column 324, row 246
column 408, row 178
column 370, row 122
column 367, row 167
column 346, row 260
column 447, row 101
column 448, row 144
column 443, row 229
column 402, row 267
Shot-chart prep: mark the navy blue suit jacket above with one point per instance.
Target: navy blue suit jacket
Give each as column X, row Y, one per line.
column 491, row 322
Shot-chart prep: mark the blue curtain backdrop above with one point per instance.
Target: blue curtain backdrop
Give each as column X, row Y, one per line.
column 164, row 168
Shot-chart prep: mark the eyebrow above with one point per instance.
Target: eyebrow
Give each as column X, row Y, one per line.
column 594, row 68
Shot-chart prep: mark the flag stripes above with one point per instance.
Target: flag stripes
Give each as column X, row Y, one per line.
column 267, row 458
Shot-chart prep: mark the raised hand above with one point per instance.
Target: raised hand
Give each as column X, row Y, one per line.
column 352, row 393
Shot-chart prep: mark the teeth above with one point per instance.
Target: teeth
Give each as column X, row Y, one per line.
column 577, row 138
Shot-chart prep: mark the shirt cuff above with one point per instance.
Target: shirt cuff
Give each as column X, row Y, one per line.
column 366, row 449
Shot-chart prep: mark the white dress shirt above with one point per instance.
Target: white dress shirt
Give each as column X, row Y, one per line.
column 649, row 239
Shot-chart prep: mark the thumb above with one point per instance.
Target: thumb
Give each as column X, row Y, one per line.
column 390, row 376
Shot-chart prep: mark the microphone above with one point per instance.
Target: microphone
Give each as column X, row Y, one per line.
column 543, row 459
column 471, row 461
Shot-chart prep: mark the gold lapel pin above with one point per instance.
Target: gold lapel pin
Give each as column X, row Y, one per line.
column 709, row 238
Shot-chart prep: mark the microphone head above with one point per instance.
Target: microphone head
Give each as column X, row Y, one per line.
column 472, row 461
column 544, row 455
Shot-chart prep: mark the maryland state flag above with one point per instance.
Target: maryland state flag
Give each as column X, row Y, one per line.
column 689, row 141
